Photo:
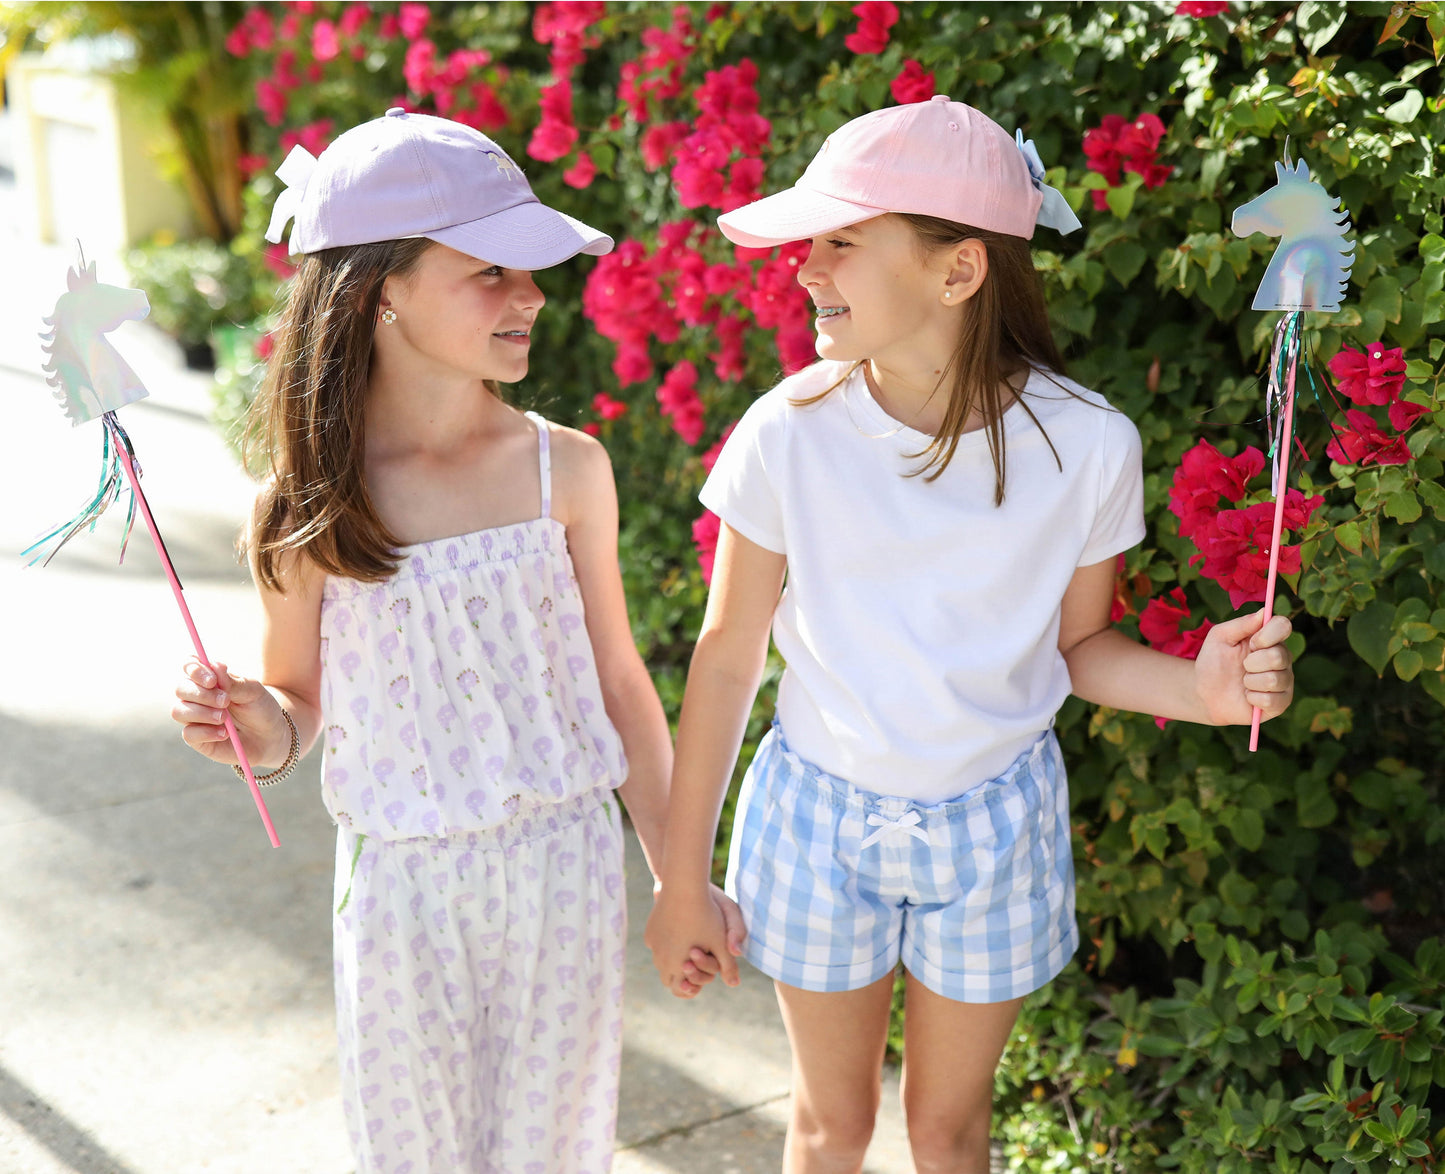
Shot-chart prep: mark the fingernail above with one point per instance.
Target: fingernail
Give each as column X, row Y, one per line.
column 221, row 698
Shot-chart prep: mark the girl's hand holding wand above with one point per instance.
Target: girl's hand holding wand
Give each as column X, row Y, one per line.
column 203, row 699
column 1242, row 665
column 1243, row 662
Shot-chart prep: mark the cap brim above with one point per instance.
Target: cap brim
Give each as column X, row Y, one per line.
column 529, row 235
column 791, row 215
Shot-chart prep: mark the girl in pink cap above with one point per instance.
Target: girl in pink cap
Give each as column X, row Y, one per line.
column 444, row 612
column 928, row 520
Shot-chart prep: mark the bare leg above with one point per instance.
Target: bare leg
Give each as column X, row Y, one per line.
column 838, row 1040
column 950, row 1051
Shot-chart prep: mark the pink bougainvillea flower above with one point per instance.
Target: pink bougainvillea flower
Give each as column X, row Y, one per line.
column 592, row 428
column 1374, row 376
column 352, row 20
column 704, row 538
column 912, row 84
column 412, row 20
column 324, row 42
column 1161, row 624
column 1403, row 414
column 314, row 137
column 271, row 100
column 727, row 360
column 278, row 260
column 658, row 141
column 265, row 345
column 256, row 30
column 564, row 26
column 709, row 458
column 677, row 396
column 728, row 131
column 581, row 173
column 1365, row 443
column 657, row 75
column 875, row 18
column 556, row 134
column 607, row 407
column 1117, row 145
column 251, row 164
column 420, row 67
column 1234, row 545
column 1201, row 8
column 1204, row 476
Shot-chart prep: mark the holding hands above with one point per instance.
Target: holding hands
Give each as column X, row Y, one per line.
column 694, row 937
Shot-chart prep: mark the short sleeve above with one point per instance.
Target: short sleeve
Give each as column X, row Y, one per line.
column 1119, row 518
column 742, row 488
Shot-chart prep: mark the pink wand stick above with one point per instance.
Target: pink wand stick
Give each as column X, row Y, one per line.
column 1280, row 480
column 123, row 447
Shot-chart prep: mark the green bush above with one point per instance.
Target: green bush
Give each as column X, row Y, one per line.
column 1263, row 974
column 194, row 286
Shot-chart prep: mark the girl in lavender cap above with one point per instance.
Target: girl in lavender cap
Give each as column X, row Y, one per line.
column 444, row 611
column 947, row 507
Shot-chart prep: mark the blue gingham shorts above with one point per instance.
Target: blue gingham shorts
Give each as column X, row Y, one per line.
column 836, row 885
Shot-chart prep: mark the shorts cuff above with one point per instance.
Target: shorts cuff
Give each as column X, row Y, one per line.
column 978, row 987
column 813, row 977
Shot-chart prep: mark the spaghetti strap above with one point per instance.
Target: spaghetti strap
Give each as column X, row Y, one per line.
column 544, row 460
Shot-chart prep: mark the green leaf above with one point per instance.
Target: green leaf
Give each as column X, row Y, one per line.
column 1403, row 506
column 1319, row 22
column 1248, row 827
column 1369, row 631
column 1121, row 201
column 1348, row 536
column 1432, row 247
column 1408, row 664
column 1407, row 109
column 1315, row 805
column 1124, row 259
column 1432, row 493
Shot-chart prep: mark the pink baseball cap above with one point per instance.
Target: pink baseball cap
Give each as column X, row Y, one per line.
column 936, row 158
column 410, row 175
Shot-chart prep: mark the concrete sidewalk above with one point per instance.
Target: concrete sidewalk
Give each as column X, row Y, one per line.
column 165, row 975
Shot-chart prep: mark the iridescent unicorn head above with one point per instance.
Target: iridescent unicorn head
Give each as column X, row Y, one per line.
column 1311, row 267
column 88, row 373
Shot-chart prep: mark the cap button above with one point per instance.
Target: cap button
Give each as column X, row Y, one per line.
column 396, row 112
column 935, row 98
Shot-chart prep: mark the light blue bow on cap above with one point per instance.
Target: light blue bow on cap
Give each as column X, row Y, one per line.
column 1054, row 212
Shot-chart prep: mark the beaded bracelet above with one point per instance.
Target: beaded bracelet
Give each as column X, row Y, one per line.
column 293, row 756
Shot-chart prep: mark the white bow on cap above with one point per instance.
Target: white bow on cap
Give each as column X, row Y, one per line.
column 1054, row 212
column 295, row 172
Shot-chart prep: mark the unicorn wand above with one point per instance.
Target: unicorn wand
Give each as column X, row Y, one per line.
column 90, row 378
column 1309, row 271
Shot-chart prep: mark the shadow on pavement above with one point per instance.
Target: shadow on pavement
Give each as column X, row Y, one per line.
column 69, row 1142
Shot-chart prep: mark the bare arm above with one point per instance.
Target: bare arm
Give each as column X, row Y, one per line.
column 290, row 677
column 727, row 666
column 1241, row 664
column 587, row 506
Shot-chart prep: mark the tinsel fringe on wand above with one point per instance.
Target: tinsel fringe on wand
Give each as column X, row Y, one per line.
column 1291, row 349
column 112, row 484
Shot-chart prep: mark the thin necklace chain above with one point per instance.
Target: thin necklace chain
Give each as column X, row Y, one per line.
column 897, row 428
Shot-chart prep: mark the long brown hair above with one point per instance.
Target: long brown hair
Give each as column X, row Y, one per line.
column 306, row 428
column 1004, row 335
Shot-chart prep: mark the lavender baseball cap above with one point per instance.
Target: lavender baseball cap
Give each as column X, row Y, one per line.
column 410, row 175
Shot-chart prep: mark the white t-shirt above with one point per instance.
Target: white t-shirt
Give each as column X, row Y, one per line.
column 920, row 621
